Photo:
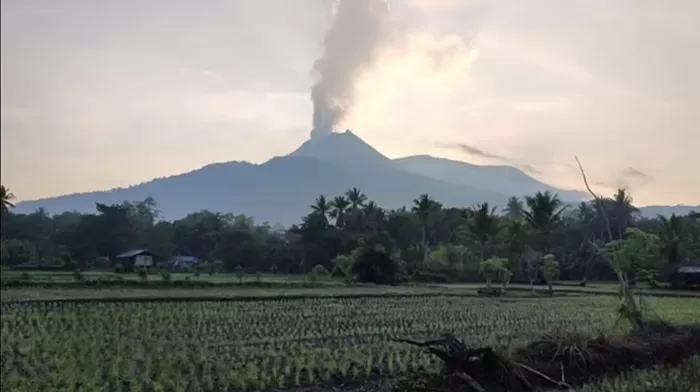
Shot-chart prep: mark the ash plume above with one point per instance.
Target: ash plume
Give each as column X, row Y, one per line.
column 350, row 46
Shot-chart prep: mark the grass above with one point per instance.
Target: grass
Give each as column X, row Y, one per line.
column 280, row 343
column 67, row 276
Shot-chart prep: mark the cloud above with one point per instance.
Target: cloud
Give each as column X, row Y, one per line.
column 475, row 151
column 628, row 178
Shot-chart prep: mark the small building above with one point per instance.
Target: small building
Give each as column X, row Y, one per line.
column 137, row 258
column 686, row 276
column 183, row 262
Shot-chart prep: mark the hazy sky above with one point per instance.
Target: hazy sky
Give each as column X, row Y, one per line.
column 98, row 94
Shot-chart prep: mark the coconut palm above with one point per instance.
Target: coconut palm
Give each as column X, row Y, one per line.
column 514, row 208
column 6, row 196
column 543, row 214
column 482, row 228
column 321, row 207
column 623, row 210
column 424, row 207
column 671, row 237
column 374, row 215
column 356, row 197
column 339, row 209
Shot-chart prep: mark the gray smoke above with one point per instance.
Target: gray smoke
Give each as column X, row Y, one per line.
column 350, row 47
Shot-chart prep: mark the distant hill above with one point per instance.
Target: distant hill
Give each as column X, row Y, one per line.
column 281, row 189
column 503, row 179
column 654, row 211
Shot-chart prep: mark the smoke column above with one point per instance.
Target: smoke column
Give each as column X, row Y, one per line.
column 358, row 30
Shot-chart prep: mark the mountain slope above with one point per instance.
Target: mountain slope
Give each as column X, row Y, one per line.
column 281, row 189
column 502, row 179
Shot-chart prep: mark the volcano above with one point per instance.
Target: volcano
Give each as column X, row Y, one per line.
column 281, row 189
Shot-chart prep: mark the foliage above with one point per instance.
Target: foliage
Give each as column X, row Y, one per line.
column 142, row 273
column 550, row 269
column 429, row 239
column 373, row 264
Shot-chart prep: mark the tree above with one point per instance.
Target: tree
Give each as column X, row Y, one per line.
column 543, row 214
column 339, row 209
column 240, row 273
column 482, row 228
column 623, row 210
column 424, row 208
column 550, row 270
column 638, row 253
column 514, row 209
column 671, row 238
column 372, row 264
column 356, row 197
column 7, row 198
column 489, row 270
column 321, row 207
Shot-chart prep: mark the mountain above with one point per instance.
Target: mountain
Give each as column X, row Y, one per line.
column 281, row 189
column 503, row 179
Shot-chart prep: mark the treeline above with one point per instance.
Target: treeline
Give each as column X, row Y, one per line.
column 426, row 240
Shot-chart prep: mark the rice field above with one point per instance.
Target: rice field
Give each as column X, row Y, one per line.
column 275, row 343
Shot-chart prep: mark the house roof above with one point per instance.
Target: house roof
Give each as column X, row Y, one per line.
column 688, row 269
column 132, row 253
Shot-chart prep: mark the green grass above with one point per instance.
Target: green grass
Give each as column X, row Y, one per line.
column 67, row 276
column 209, row 345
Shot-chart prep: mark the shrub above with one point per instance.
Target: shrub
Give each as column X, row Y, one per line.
column 142, row 274
column 119, row 268
column 372, row 264
column 489, row 269
column 550, row 270
column 25, row 276
column 342, row 264
column 320, row 271
column 166, row 276
column 240, row 273
column 78, row 276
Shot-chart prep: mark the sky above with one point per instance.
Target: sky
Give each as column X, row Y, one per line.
column 97, row 95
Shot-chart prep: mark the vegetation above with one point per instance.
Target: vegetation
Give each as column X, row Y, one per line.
column 109, row 338
column 424, row 242
column 245, row 345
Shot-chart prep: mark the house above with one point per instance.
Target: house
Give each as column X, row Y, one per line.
column 686, row 276
column 183, row 262
column 137, row 258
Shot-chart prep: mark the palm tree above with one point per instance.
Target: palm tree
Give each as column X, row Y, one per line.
column 543, row 214
column 482, row 227
column 356, row 197
column 623, row 210
column 514, row 208
column 6, row 196
column 339, row 209
column 424, row 207
column 671, row 237
column 321, row 207
column 375, row 215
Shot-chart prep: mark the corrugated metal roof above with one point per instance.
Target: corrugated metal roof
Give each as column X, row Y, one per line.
column 131, row 253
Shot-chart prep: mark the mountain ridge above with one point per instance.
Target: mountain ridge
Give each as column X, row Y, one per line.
column 281, row 189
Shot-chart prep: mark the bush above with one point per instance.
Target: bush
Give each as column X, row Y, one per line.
column 320, row 271
column 342, row 266
column 25, row 276
column 78, row 276
column 374, row 265
column 119, row 268
column 166, row 276
column 142, row 273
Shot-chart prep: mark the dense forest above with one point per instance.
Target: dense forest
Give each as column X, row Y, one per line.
column 429, row 241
